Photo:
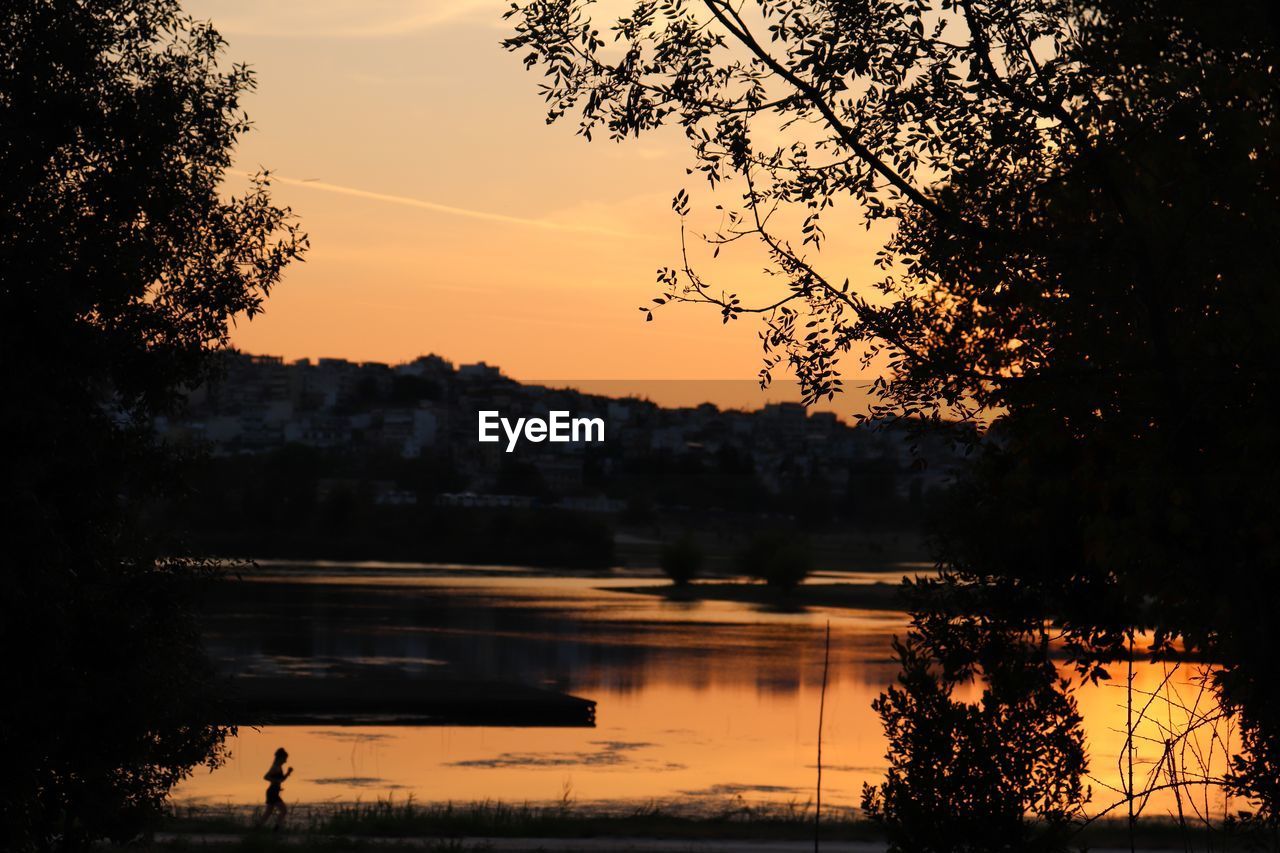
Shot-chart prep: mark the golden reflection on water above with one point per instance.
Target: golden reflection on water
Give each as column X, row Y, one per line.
column 1176, row 736
column 723, row 704
column 666, row 742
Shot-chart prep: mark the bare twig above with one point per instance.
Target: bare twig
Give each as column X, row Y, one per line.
column 822, row 707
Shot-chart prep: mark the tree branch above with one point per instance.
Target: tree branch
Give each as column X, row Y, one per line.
column 738, row 28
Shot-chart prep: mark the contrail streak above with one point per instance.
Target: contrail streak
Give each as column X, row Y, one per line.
column 423, row 204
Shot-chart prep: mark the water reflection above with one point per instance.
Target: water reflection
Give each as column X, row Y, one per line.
column 697, row 701
column 574, row 633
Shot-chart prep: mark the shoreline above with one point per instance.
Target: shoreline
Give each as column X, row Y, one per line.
column 568, row 826
column 363, row 700
column 879, row 595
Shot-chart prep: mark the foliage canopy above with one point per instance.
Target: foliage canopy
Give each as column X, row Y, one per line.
column 122, row 265
column 1076, row 199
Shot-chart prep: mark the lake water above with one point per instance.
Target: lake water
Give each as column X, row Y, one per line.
column 698, row 703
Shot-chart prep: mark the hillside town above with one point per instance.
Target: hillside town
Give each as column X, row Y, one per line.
column 428, row 408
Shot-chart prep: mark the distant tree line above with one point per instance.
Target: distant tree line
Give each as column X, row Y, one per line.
column 301, row 503
column 308, row 503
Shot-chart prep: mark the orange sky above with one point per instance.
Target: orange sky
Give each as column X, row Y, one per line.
column 447, row 217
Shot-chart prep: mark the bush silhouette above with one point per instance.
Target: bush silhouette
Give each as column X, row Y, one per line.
column 682, row 559
column 781, row 560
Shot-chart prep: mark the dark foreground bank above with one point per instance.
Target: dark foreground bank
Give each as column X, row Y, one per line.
column 882, row 595
column 386, row 825
column 366, row 701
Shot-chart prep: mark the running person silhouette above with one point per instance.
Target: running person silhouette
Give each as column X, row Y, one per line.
column 275, row 778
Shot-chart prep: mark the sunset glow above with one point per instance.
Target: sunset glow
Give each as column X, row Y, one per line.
column 447, row 218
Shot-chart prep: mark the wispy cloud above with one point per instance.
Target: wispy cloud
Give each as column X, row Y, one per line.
column 329, row 19
column 447, row 209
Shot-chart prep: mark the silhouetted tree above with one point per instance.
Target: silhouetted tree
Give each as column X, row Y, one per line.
column 999, row 772
column 122, row 263
column 682, row 559
column 779, row 558
column 1075, row 200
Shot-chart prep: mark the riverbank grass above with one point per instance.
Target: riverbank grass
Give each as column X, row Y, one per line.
column 390, row 824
